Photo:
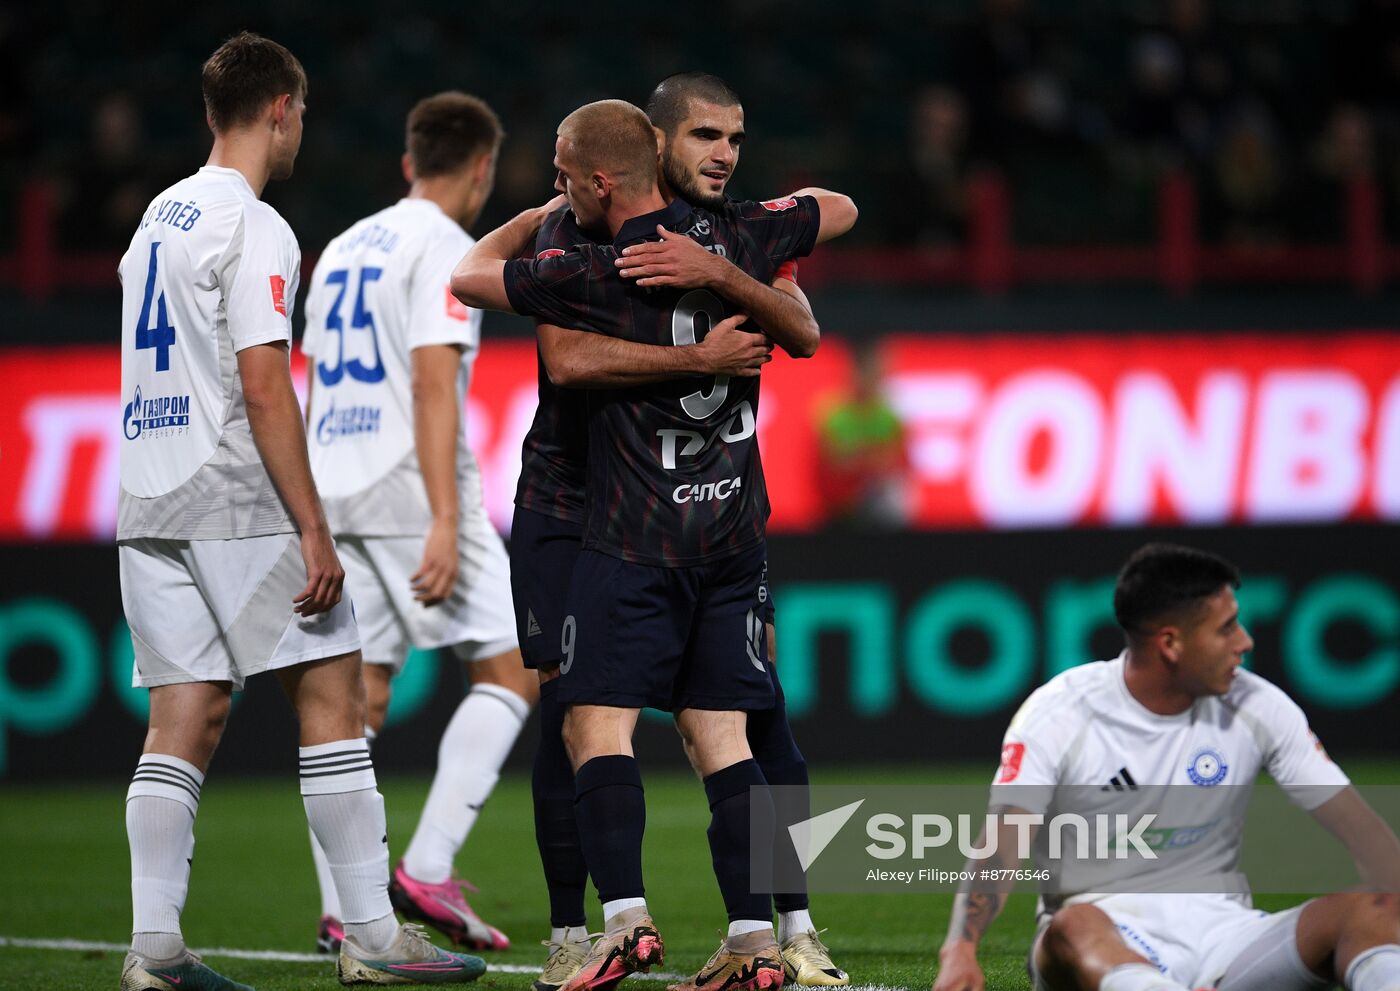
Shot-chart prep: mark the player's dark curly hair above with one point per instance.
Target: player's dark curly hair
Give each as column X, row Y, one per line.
column 447, row 130
column 669, row 103
column 244, row 75
column 1160, row 580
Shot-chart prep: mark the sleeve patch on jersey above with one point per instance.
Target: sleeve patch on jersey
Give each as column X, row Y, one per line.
column 778, row 206
column 1011, row 757
column 456, row 309
column 549, row 253
column 279, row 293
column 788, row 270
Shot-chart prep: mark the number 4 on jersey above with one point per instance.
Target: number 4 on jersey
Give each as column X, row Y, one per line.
column 162, row 335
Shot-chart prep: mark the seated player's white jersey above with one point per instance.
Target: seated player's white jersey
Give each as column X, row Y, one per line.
column 380, row 290
column 210, row 271
column 1082, row 740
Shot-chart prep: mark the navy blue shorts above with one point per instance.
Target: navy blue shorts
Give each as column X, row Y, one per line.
column 542, row 554
column 639, row 636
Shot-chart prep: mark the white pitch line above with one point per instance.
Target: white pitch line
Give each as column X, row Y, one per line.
column 282, row 956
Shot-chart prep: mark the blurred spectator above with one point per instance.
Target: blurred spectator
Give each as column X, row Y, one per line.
column 933, row 196
column 1343, row 152
column 113, row 182
column 863, row 463
column 1244, row 201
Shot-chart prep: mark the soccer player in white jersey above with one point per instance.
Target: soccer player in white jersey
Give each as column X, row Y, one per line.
column 227, row 563
column 391, row 351
column 1177, row 709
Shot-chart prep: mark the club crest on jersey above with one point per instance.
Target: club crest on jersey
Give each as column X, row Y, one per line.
column 549, row 253
column 778, row 206
column 279, row 293
column 1207, row 767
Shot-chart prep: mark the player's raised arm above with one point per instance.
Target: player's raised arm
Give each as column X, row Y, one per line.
column 578, row 359
column 478, row 280
column 838, row 212
column 677, row 261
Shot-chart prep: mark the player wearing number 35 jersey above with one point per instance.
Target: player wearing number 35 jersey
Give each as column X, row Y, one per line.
column 392, row 352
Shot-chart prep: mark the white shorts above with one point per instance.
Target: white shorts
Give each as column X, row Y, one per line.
column 477, row 620
column 1194, row 939
column 221, row 610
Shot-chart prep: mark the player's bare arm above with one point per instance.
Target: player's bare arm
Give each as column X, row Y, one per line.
column 1368, row 838
column 679, row 262
column 436, row 422
column 279, row 433
column 577, row 359
column 478, row 280
column 975, row 907
column 838, row 212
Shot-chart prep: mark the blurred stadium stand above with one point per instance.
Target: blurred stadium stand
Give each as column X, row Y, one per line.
column 990, row 144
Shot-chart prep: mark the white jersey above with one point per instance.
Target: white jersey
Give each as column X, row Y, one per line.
column 380, row 290
column 211, row 270
column 1084, row 728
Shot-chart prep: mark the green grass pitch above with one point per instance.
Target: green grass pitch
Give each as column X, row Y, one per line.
column 66, row 876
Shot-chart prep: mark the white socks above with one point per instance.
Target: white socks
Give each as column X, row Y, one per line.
column 160, row 809
column 570, row 934
column 792, row 924
column 1138, row 977
column 346, row 815
column 1376, row 969
column 325, row 882
column 614, row 908
column 473, row 748
column 741, row 926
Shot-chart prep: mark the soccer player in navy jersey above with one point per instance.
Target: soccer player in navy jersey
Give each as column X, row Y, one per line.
column 666, row 604
column 699, row 122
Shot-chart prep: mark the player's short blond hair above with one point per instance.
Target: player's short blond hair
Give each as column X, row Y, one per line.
column 615, row 138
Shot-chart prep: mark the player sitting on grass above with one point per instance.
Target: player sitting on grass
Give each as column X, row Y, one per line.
column 1176, row 709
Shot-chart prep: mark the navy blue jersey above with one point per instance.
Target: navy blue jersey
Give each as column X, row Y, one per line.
column 552, row 458
column 673, row 471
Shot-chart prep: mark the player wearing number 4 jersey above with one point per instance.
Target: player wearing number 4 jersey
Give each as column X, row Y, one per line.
column 392, row 352
column 227, row 564
column 1176, row 715
column 664, row 608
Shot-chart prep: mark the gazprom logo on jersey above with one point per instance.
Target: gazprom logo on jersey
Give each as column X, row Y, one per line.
column 348, row 421
column 707, row 491
column 142, row 414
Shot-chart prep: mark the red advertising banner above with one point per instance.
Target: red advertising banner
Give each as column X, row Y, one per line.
column 998, row 431
column 1125, row 431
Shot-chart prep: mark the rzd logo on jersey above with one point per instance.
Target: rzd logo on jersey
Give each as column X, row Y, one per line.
column 739, row 426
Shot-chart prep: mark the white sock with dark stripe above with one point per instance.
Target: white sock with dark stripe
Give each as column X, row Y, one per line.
column 160, row 809
column 330, row 903
column 346, row 814
column 475, row 744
